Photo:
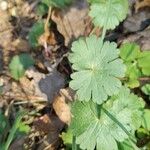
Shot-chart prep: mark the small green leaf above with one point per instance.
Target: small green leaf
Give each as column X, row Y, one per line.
column 142, row 133
column 23, row 128
column 98, row 69
column 108, row 13
column 144, row 61
column 57, row 3
column 41, row 9
column 146, row 89
column 67, row 137
column 146, row 119
column 93, row 132
column 19, row 64
column 129, row 52
column 133, row 83
column 36, row 31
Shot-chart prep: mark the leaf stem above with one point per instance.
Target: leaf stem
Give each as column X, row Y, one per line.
column 104, row 33
column 74, row 145
column 119, row 124
column 98, row 107
column 46, row 27
column 106, row 21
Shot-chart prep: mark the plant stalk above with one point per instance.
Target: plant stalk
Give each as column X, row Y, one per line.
column 74, row 145
column 98, row 107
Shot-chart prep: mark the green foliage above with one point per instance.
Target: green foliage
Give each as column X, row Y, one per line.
column 42, row 9
column 126, row 145
column 57, row 3
column 103, row 132
column 98, row 69
column 137, row 63
column 18, row 126
column 67, row 137
column 108, row 13
column 142, row 133
column 144, row 61
column 146, row 89
column 146, row 119
column 130, row 52
column 36, row 31
column 19, row 64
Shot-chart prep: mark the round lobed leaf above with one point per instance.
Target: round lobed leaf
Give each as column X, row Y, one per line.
column 93, row 131
column 98, row 69
column 108, row 13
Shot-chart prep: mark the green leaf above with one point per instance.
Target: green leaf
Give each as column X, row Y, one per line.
column 92, row 131
column 67, row 137
column 19, row 64
column 23, row 127
column 146, row 89
column 108, row 13
column 14, row 129
column 57, row 3
column 41, row 9
column 133, row 73
column 144, row 61
column 126, row 145
column 98, row 69
column 129, row 52
column 146, row 119
column 36, row 31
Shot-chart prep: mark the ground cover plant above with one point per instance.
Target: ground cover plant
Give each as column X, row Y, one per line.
column 109, row 107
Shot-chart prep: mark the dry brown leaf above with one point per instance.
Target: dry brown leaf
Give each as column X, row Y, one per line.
column 21, row 45
column 52, row 126
column 74, row 21
column 68, row 93
column 141, row 38
column 142, row 4
column 62, row 109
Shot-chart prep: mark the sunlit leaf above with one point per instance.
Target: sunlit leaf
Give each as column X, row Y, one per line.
column 144, row 62
column 98, row 69
column 146, row 119
column 103, row 132
column 146, row 89
column 130, row 52
column 108, row 13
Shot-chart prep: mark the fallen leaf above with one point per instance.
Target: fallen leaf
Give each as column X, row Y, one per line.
column 141, row 38
column 142, row 4
column 62, row 109
column 21, row 45
column 68, row 93
column 74, row 21
column 50, row 125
